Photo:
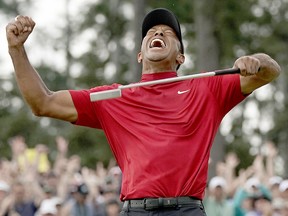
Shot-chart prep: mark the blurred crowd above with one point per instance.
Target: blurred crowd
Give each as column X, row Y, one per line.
column 254, row 191
column 31, row 183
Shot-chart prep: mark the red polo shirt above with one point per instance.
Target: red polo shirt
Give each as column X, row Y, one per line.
column 161, row 135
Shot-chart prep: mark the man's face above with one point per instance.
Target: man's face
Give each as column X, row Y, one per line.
column 161, row 45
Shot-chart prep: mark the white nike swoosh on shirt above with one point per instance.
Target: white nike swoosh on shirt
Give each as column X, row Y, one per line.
column 182, row 92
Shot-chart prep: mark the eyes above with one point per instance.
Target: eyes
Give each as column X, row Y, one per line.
column 166, row 31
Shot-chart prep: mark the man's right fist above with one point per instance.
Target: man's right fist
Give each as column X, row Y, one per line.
column 18, row 30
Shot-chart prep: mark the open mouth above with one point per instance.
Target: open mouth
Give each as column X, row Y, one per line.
column 157, row 43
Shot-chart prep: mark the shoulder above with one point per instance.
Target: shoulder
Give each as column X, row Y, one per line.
column 104, row 87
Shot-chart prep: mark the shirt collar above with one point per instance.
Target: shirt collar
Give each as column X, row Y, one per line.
column 157, row 76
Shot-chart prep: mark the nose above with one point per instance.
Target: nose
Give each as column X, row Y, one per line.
column 159, row 32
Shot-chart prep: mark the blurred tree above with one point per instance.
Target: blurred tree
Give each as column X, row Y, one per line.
column 250, row 27
column 207, row 59
column 134, row 72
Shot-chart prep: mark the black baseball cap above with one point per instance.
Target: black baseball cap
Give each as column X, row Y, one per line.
column 165, row 17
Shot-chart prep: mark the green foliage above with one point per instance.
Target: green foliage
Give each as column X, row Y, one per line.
column 241, row 150
column 182, row 8
column 109, row 31
column 90, row 144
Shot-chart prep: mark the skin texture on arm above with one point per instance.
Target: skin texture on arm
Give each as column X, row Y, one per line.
column 41, row 100
column 256, row 70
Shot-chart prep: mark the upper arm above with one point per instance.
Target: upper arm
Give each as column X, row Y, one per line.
column 250, row 83
column 59, row 105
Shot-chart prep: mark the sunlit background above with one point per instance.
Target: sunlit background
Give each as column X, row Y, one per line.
column 81, row 44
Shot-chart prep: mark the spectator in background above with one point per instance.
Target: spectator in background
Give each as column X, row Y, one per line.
column 79, row 204
column 284, row 209
column 227, row 170
column 112, row 207
column 26, row 157
column 259, row 190
column 216, row 202
column 249, row 195
column 50, row 184
column 20, row 201
column 273, row 184
column 48, row 208
column 280, row 207
column 4, row 191
column 104, row 183
column 283, row 188
column 261, row 205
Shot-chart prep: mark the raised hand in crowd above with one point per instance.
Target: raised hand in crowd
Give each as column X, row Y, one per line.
column 60, row 163
column 62, row 145
column 271, row 153
column 18, row 146
column 231, row 162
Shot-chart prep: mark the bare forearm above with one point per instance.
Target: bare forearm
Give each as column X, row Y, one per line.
column 256, row 70
column 42, row 101
column 30, row 83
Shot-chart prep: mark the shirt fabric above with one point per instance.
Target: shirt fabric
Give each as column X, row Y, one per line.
column 161, row 135
column 26, row 209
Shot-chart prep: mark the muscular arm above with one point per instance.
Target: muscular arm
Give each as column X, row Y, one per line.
column 41, row 100
column 256, row 71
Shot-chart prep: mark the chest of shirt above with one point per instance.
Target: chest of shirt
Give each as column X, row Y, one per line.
column 164, row 106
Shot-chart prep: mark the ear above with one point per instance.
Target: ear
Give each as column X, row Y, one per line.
column 139, row 57
column 180, row 59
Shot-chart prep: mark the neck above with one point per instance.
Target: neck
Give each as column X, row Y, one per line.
column 157, row 67
column 157, row 71
column 158, row 75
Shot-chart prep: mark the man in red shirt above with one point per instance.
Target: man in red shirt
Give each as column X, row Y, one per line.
column 161, row 135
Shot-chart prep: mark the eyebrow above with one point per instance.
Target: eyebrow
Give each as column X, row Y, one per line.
column 164, row 28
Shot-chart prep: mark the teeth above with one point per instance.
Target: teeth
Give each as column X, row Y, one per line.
column 157, row 43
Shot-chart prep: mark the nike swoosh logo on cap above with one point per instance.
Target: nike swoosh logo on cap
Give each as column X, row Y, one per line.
column 182, row 92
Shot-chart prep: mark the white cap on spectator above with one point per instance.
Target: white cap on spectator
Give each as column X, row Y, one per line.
column 48, row 206
column 278, row 203
column 57, row 200
column 115, row 170
column 252, row 182
column 4, row 186
column 217, row 181
column 275, row 180
column 283, row 185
